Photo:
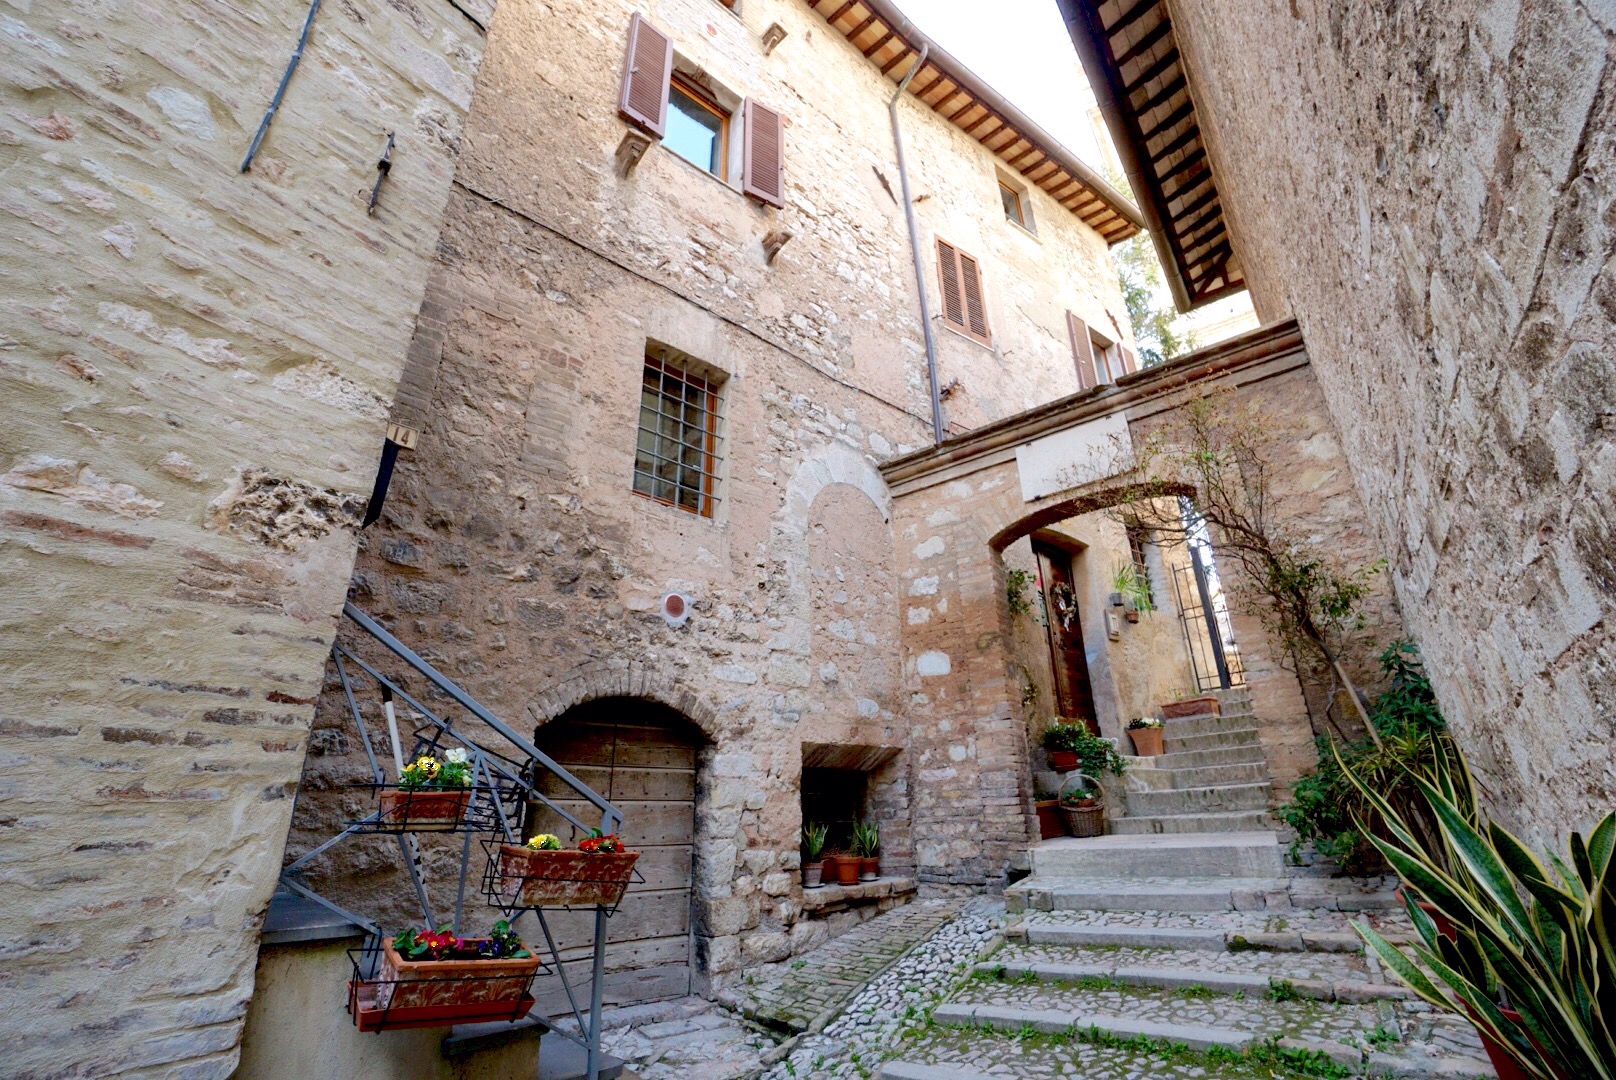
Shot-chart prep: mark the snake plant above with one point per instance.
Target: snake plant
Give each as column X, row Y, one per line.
column 1538, row 939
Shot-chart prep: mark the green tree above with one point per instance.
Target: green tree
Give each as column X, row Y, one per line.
column 1160, row 331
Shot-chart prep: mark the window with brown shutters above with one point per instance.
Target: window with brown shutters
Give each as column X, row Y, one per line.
column 763, row 166
column 964, row 304
column 647, row 76
column 1082, row 352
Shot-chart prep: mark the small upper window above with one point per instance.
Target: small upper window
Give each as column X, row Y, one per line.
column 1013, row 210
column 698, row 128
column 677, row 455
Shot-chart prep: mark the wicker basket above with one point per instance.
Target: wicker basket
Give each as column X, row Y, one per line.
column 1085, row 820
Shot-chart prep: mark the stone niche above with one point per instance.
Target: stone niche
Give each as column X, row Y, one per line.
column 843, row 783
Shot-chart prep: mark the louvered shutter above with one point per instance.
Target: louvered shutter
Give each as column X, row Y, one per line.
column 948, row 279
column 1129, row 364
column 763, row 160
column 976, row 314
column 1082, row 352
column 647, row 73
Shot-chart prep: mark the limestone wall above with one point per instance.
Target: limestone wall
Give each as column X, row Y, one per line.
column 1444, row 242
column 196, row 365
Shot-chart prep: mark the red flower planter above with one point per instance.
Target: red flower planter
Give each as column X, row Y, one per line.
column 1195, row 706
column 441, row 993
column 564, row 878
column 424, row 811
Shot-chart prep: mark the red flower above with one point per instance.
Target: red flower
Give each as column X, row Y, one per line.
column 610, row 844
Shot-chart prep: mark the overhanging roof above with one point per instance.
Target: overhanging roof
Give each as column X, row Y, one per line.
column 1131, row 55
column 890, row 41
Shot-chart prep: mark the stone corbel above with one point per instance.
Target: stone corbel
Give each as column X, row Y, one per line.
column 773, row 36
column 773, row 242
column 629, row 152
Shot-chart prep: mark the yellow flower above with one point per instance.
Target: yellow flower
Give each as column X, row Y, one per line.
column 545, row 842
column 426, row 765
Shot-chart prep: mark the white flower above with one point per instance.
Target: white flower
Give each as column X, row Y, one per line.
column 457, row 756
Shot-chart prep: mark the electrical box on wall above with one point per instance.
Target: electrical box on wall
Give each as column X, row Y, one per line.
column 1113, row 626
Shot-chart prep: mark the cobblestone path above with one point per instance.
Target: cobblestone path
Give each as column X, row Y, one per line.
column 791, row 995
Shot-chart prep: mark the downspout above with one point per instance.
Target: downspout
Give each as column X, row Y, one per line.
column 914, row 249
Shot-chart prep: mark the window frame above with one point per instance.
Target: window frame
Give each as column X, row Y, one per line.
column 672, row 366
column 689, row 89
column 1011, row 195
column 1138, row 540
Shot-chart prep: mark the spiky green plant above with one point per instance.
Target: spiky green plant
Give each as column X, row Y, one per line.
column 1525, row 937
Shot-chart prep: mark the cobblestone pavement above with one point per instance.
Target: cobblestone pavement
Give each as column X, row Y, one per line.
column 792, row 994
column 689, row 1039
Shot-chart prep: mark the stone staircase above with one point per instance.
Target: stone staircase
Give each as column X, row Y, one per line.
column 1188, row 955
column 1211, row 778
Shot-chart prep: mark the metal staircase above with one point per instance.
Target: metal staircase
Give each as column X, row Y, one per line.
column 507, row 774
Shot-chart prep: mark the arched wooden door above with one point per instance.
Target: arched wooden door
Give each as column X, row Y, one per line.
column 643, row 757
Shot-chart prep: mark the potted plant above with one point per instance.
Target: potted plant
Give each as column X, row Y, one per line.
column 435, row 979
column 432, row 794
column 867, row 846
column 1146, row 733
column 813, row 844
column 847, row 868
column 1180, row 707
column 1060, row 740
column 1082, row 807
column 1050, row 824
column 1097, row 755
column 540, row 874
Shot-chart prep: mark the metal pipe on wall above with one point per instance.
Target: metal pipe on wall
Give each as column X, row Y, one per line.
column 914, row 250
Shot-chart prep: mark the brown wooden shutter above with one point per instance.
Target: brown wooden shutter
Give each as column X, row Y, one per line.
column 976, row 312
column 647, row 73
column 949, row 282
column 1129, row 364
column 763, row 159
column 1082, row 352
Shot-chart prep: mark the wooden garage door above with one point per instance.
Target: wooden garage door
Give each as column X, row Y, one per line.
column 643, row 758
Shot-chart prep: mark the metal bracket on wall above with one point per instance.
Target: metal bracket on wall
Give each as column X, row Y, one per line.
column 384, row 166
column 280, row 91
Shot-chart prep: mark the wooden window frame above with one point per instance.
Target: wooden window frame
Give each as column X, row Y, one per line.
column 1022, row 209
column 947, row 252
column 670, row 369
column 695, row 93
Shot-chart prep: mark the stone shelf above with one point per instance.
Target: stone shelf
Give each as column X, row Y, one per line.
column 833, row 895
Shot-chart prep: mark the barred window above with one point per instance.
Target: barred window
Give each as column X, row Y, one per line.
column 677, row 453
column 1138, row 537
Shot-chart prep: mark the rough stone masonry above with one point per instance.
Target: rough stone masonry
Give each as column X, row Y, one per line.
column 196, row 364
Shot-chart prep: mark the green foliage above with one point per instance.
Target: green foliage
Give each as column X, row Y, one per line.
column 1159, row 331
column 502, row 943
column 1094, row 754
column 1130, row 580
column 1016, row 582
column 813, row 840
column 866, row 839
column 1537, row 940
column 428, row 772
column 1325, row 805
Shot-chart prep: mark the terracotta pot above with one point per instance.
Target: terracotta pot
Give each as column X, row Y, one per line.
column 847, row 870
column 1050, row 824
column 1147, row 742
column 812, row 875
column 441, row 993
column 1444, row 925
column 423, row 811
column 1503, row 1060
column 1195, row 706
column 828, row 875
column 869, row 867
column 563, row 878
column 1063, row 761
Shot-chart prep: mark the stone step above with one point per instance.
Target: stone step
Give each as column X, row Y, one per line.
column 1234, row 854
column 1217, row 740
column 1234, row 821
column 1043, row 892
column 1199, row 938
column 1196, row 800
column 1126, row 971
column 1208, row 723
column 1206, row 776
column 1062, row 1021
column 1245, row 754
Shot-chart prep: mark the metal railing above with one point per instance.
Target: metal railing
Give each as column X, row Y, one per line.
column 1203, row 613
column 505, row 782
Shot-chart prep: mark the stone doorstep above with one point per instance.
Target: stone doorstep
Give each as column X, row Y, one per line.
column 830, row 895
column 1194, row 895
column 1187, row 824
column 1230, row 983
column 1170, row 937
column 1059, row 1021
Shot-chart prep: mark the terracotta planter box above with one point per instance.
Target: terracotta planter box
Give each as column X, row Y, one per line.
column 869, row 868
column 1147, row 742
column 1062, row 761
column 1195, row 706
column 564, row 878
column 1050, row 824
column 441, row 993
column 424, row 811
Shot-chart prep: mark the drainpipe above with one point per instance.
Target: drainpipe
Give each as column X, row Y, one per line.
column 914, row 249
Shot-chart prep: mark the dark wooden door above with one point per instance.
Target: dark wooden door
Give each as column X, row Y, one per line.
column 1074, row 696
column 642, row 757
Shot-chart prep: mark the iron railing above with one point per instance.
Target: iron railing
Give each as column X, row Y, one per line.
column 505, row 782
column 1203, row 613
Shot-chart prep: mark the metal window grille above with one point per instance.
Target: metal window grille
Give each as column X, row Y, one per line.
column 1138, row 537
column 676, row 457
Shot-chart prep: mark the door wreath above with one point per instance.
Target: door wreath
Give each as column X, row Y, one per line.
column 1064, row 601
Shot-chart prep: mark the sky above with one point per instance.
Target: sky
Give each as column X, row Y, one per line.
column 1023, row 52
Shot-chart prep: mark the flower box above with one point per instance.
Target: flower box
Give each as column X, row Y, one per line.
column 1195, row 706
column 564, row 878
column 1147, row 742
column 441, row 993
column 424, row 810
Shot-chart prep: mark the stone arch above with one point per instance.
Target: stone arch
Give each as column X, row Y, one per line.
column 605, row 679
column 1075, row 505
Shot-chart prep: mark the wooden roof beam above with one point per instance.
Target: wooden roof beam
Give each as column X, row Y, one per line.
column 1145, row 44
column 1131, row 16
column 879, row 43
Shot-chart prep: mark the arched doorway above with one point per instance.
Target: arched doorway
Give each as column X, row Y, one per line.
column 644, row 757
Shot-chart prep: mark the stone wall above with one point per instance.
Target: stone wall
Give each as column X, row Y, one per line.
column 1445, row 244
column 513, row 549
column 196, row 364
